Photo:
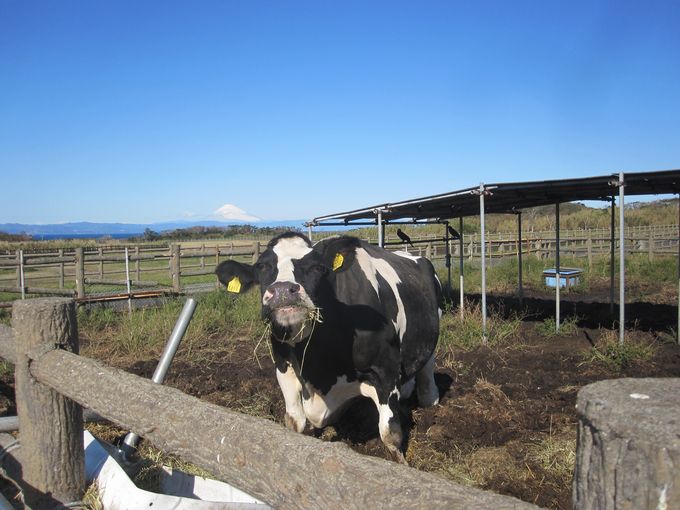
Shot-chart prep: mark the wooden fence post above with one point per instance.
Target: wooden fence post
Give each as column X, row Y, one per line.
column 589, row 246
column 175, row 267
column 80, row 272
column 628, row 446
column 51, row 425
column 100, row 252
column 256, row 251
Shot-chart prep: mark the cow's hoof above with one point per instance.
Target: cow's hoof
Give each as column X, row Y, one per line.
column 397, row 456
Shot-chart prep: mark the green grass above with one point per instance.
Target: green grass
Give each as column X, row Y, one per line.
column 218, row 315
column 548, row 328
column 467, row 332
column 619, row 356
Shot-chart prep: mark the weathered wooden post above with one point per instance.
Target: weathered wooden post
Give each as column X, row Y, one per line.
column 589, row 246
column 628, row 448
column 100, row 252
column 256, row 251
column 80, row 272
column 175, row 267
column 51, row 425
column 203, row 256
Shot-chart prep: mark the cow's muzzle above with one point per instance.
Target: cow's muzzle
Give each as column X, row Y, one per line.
column 282, row 294
column 286, row 304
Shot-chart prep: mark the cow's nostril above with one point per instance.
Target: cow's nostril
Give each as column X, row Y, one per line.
column 294, row 288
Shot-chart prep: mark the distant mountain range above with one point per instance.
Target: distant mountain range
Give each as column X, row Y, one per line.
column 89, row 229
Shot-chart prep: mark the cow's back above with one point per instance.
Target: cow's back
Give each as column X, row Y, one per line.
column 405, row 291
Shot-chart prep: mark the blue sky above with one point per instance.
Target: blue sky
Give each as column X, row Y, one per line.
column 149, row 111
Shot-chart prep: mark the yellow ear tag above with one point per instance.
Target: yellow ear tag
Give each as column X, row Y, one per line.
column 337, row 261
column 234, row 285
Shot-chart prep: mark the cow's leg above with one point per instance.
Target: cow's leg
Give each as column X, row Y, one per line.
column 428, row 394
column 292, row 395
column 389, row 424
column 406, row 389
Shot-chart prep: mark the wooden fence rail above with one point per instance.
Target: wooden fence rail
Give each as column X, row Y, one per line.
column 105, row 265
column 284, row 469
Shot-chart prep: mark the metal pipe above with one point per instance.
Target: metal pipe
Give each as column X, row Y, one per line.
column 520, row 289
column 460, row 265
column 448, row 251
column 11, row 423
column 677, row 331
column 481, row 214
column 21, row 274
column 127, row 277
column 612, row 250
column 622, row 266
column 381, row 231
column 309, row 231
column 131, row 439
column 557, row 267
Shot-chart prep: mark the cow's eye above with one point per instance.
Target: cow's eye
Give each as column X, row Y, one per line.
column 260, row 267
column 320, row 268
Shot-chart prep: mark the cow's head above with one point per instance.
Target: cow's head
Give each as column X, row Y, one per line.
column 296, row 281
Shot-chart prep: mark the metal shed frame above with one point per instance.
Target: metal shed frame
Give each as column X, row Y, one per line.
column 512, row 198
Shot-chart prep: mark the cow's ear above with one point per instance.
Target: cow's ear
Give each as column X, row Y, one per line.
column 339, row 254
column 237, row 277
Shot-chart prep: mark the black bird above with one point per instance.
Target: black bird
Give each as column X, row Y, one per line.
column 453, row 233
column 404, row 237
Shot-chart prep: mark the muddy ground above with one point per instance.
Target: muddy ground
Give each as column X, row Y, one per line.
column 506, row 419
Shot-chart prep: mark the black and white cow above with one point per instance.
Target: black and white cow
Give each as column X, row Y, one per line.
column 347, row 319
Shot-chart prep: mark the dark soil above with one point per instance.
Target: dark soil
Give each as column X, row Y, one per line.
column 506, row 419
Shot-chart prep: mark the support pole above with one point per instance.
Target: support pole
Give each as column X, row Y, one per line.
column 483, row 261
column 557, row 267
column 622, row 265
column 520, row 288
column 309, row 231
column 22, row 276
column 381, row 229
column 51, row 425
column 612, row 251
column 448, row 251
column 127, row 278
column 132, row 438
column 677, row 331
column 461, row 247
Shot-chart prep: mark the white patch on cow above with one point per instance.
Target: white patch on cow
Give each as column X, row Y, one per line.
column 287, row 250
column 372, row 267
column 320, row 409
column 385, row 414
column 291, row 389
column 407, row 255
